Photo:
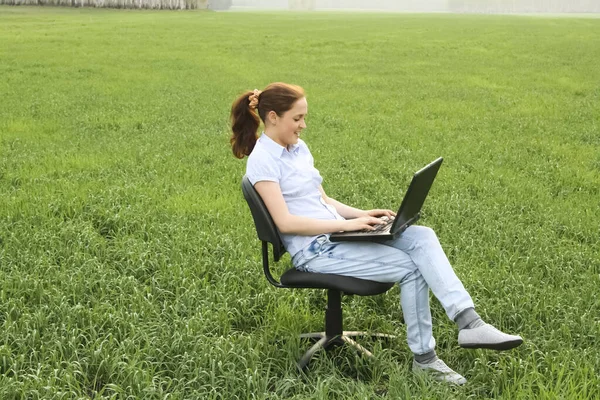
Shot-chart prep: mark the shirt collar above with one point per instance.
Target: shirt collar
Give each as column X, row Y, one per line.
column 275, row 148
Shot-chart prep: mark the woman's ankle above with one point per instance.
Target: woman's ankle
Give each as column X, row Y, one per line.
column 468, row 319
column 426, row 358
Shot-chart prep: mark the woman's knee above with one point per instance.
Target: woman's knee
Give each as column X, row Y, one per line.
column 423, row 232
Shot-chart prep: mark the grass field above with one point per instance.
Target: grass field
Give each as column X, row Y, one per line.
column 129, row 264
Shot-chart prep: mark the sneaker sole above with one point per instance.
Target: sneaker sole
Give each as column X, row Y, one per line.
column 423, row 373
column 493, row 346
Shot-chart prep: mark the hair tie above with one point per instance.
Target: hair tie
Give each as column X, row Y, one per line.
column 254, row 99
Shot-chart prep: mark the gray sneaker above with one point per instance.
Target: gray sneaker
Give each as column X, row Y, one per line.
column 439, row 371
column 487, row 337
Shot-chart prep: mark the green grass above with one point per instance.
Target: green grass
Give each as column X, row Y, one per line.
column 129, row 264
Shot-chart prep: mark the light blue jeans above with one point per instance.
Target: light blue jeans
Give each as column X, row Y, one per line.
column 415, row 260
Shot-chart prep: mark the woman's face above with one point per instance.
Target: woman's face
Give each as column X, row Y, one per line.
column 288, row 127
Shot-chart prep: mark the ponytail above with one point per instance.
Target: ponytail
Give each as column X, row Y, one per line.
column 244, row 124
column 252, row 107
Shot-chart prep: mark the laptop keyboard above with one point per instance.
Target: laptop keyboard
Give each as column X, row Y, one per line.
column 379, row 228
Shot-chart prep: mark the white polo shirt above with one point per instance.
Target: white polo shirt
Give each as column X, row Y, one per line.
column 298, row 179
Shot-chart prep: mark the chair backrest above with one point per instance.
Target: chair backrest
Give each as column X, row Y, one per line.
column 265, row 227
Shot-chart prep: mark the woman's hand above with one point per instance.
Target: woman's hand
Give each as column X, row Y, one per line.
column 380, row 213
column 358, row 224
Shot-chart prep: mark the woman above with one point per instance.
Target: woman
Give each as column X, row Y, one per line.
column 280, row 167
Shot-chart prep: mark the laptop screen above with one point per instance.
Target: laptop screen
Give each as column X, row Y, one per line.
column 416, row 194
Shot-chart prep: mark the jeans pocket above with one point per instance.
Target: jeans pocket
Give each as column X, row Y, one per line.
column 299, row 262
column 309, row 253
column 302, row 259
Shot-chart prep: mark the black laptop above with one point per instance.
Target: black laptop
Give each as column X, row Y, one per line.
column 408, row 213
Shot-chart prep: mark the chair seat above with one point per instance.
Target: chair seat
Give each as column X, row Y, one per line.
column 349, row 285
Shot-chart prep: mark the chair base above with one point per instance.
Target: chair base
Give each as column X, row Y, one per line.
column 325, row 342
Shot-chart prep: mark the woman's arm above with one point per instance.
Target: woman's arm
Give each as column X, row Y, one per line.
column 342, row 209
column 270, row 192
column 351, row 212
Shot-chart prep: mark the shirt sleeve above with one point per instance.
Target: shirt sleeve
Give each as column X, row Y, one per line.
column 262, row 167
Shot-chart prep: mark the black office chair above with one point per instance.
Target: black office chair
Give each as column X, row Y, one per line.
column 292, row 278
